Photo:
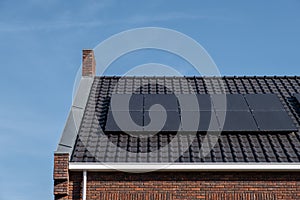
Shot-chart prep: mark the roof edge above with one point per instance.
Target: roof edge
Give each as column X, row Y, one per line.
column 71, row 129
column 144, row 167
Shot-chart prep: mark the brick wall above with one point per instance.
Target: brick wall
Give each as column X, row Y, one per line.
column 61, row 175
column 189, row 185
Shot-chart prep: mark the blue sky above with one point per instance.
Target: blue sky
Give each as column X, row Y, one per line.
column 40, row 53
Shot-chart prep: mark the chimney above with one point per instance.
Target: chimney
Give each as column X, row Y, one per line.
column 88, row 63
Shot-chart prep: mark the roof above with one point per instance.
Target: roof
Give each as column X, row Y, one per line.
column 91, row 144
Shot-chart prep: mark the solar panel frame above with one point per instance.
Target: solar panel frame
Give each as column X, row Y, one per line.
column 264, row 102
column 274, row 121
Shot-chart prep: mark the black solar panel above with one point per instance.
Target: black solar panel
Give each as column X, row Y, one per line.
column 233, row 102
column 250, row 112
column 237, row 121
column 274, row 121
column 264, row 102
column 194, row 102
column 207, row 121
column 120, row 102
column 204, row 102
column 172, row 122
column 297, row 96
column 136, row 125
column 168, row 101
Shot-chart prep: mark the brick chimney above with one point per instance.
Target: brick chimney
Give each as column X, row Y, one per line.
column 88, row 63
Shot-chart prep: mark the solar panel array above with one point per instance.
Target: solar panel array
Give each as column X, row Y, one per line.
column 249, row 112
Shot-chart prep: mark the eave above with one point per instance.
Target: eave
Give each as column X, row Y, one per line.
column 205, row 167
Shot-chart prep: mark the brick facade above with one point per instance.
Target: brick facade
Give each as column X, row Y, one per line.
column 187, row 185
column 61, row 175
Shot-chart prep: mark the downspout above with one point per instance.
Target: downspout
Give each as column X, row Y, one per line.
column 84, row 185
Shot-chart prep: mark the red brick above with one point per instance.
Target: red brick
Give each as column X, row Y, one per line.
column 88, row 63
column 61, row 175
column 186, row 185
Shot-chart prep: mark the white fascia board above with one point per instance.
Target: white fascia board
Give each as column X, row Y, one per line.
column 140, row 167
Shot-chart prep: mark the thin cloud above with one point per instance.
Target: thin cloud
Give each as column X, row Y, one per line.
column 163, row 17
column 133, row 20
column 47, row 26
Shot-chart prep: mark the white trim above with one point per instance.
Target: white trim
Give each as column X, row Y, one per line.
column 140, row 167
column 84, row 185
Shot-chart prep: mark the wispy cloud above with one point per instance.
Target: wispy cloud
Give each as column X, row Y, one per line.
column 19, row 27
column 163, row 17
column 131, row 20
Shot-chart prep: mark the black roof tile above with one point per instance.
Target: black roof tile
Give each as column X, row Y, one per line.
column 94, row 145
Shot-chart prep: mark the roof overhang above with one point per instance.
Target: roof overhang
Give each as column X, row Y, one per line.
column 146, row 167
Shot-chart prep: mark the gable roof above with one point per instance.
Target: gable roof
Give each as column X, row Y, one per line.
column 91, row 144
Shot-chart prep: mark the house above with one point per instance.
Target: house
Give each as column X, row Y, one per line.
column 254, row 153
